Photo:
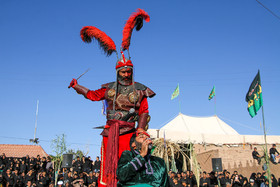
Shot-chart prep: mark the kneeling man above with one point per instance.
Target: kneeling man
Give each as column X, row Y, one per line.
column 138, row 167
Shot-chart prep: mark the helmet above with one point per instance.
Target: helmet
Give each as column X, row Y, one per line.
column 123, row 63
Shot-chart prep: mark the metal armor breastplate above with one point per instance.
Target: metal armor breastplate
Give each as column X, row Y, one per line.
column 126, row 99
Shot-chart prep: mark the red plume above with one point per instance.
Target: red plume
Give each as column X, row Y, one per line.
column 105, row 42
column 135, row 20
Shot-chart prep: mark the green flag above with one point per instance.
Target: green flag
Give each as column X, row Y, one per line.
column 254, row 96
column 212, row 93
column 175, row 93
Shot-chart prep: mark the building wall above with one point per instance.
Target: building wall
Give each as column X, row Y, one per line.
column 234, row 158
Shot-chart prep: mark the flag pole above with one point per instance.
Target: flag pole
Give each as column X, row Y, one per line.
column 266, row 155
column 215, row 105
column 179, row 100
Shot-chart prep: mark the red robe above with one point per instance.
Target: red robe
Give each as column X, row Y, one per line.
column 123, row 140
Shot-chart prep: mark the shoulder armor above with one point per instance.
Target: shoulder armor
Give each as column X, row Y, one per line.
column 147, row 91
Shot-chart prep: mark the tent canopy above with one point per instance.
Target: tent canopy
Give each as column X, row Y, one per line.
column 199, row 125
column 208, row 130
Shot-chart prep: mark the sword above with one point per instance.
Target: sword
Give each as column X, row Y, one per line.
column 99, row 127
column 81, row 75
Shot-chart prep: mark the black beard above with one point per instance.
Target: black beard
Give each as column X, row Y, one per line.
column 139, row 147
column 125, row 80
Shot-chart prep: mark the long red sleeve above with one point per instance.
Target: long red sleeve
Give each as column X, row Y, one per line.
column 96, row 95
column 144, row 106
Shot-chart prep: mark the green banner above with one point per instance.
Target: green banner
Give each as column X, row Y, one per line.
column 212, row 93
column 175, row 93
column 254, row 96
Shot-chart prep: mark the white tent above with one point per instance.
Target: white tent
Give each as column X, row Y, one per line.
column 205, row 130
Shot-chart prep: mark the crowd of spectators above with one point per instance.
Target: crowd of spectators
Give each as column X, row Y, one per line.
column 39, row 172
column 223, row 179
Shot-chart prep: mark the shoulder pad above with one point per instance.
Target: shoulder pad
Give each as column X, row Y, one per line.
column 147, row 91
column 139, row 86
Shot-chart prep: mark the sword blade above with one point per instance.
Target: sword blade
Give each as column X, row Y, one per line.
column 83, row 74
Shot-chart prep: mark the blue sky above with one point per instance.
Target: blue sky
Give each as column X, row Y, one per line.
column 195, row 43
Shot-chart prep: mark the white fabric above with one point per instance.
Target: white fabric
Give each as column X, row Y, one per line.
column 205, row 130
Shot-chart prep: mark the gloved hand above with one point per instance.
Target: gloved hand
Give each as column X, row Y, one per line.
column 73, row 83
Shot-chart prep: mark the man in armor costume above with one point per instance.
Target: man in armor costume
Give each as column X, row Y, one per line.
column 126, row 99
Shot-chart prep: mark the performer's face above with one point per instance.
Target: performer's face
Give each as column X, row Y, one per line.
column 140, row 139
column 125, row 73
column 125, row 76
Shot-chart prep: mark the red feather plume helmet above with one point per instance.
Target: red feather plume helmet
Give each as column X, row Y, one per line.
column 107, row 44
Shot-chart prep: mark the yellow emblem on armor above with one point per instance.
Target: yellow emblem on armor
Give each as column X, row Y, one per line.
column 133, row 97
column 146, row 127
column 111, row 93
column 148, row 118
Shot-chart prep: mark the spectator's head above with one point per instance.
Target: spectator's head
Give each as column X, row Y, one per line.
column 93, row 184
column 255, row 148
column 78, row 158
column 67, row 184
column 97, row 174
column 212, row 174
column 49, row 159
column 81, row 182
column 184, row 183
column 204, row 174
column 69, row 174
column 51, row 184
column 44, row 173
column 29, row 183
column 76, row 176
column 191, row 173
column 179, row 175
column 16, row 172
column 173, row 174
column 227, row 174
column 175, row 180
column 8, row 171
column 97, row 158
column 90, row 174
column 251, row 182
column 235, row 173
column 60, row 183
column 273, row 145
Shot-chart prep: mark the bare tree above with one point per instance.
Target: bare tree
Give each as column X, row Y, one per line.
column 59, row 148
